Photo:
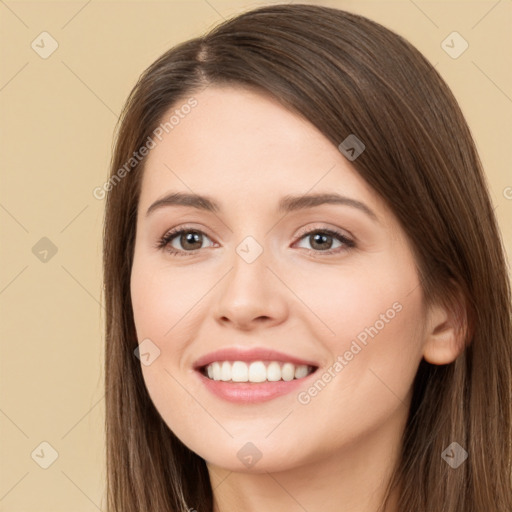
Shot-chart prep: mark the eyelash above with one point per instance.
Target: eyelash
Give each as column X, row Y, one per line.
column 164, row 242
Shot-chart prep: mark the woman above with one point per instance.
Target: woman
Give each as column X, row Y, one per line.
column 368, row 370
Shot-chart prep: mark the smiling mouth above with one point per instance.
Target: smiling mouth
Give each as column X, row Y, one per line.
column 255, row 371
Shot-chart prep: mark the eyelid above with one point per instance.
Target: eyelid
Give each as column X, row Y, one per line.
column 322, row 226
column 302, row 231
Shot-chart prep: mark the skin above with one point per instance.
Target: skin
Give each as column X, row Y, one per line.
column 336, row 452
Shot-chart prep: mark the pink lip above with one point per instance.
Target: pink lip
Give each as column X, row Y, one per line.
column 248, row 355
column 251, row 392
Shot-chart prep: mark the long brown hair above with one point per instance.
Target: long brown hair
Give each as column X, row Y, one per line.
column 345, row 74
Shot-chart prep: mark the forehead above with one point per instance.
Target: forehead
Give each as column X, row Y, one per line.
column 246, row 145
column 231, row 122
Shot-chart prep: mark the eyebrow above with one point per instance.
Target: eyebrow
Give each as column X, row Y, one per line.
column 287, row 204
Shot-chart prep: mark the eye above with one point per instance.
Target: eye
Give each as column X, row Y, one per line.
column 321, row 241
column 190, row 240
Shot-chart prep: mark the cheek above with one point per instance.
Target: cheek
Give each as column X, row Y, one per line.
column 371, row 324
column 374, row 336
column 345, row 301
column 376, row 362
column 162, row 300
column 162, row 313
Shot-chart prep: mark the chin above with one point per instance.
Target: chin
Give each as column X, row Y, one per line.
column 257, row 457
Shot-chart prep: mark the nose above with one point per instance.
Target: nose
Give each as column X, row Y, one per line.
column 250, row 295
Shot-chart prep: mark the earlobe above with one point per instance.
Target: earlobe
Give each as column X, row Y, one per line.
column 445, row 336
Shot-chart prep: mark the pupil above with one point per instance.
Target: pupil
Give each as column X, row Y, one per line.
column 192, row 237
column 319, row 237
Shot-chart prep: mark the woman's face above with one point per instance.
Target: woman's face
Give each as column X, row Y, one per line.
column 328, row 285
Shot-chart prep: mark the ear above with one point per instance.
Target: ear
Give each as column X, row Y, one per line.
column 446, row 331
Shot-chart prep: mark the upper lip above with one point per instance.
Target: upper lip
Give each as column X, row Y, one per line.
column 248, row 355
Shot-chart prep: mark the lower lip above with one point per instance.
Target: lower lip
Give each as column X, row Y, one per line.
column 251, row 392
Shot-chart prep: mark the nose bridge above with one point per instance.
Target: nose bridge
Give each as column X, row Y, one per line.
column 250, row 289
column 248, row 276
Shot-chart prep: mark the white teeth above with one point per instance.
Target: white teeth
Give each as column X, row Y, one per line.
column 301, row 371
column 288, row 371
column 239, row 372
column 273, row 372
column 225, row 371
column 257, row 371
column 215, row 371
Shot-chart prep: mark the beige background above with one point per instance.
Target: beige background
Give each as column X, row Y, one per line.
column 57, row 120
